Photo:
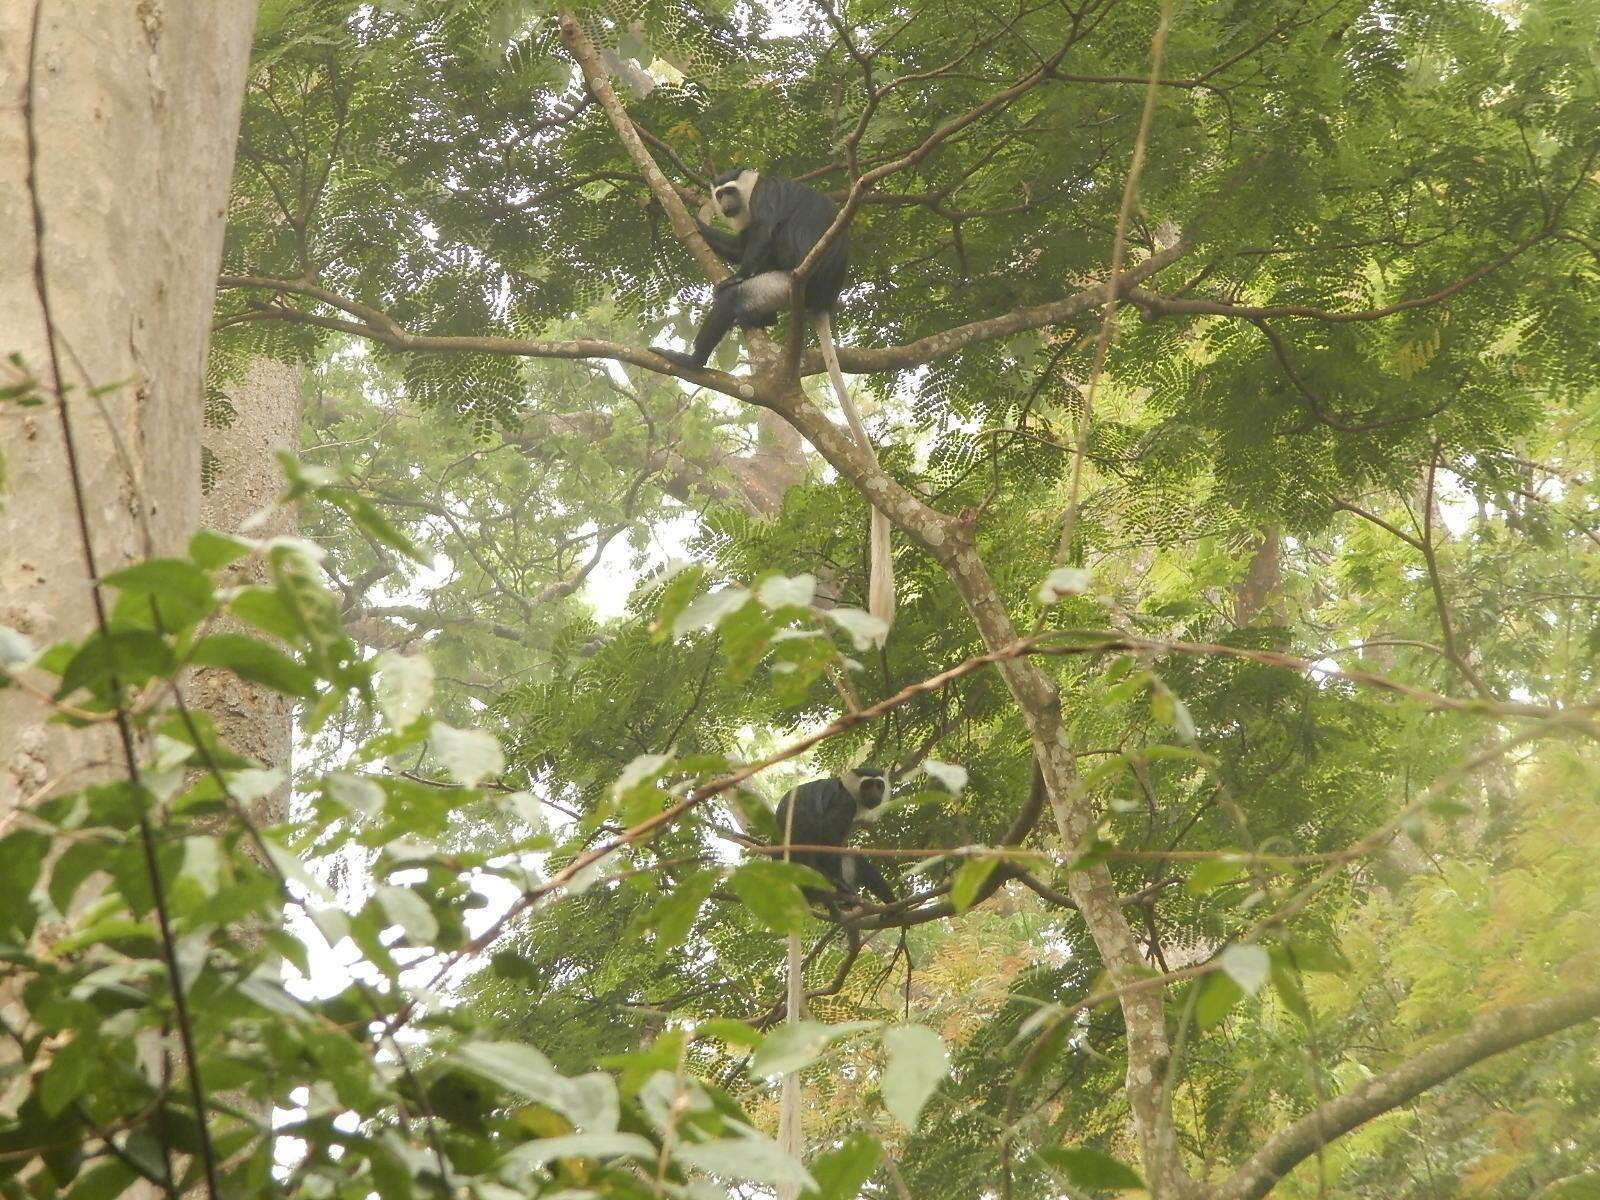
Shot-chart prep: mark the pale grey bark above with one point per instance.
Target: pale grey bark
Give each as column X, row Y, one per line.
column 135, row 116
column 251, row 719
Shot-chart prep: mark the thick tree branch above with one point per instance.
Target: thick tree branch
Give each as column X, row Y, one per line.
column 375, row 325
column 1164, row 305
column 1493, row 1031
column 599, row 83
column 949, row 341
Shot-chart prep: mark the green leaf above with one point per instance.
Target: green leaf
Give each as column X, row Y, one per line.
column 771, row 897
column 1212, row 873
column 77, row 862
column 1218, row 994
column 182, row 591
column 726, row 1029
column 103, row 1181
column 969, row 878
column 1319, row 957
column 69, row 1072
column 581, row 1145
column 758, row 1159
column 404, row 688
column 268, row 611
column 1091, row 1169
column 918, row 1063
column 793, row 1045
column 677, row 592
column 266, row 991
column 130, row 656
column 405, row 908
column 211, row 550
column 840, row 1173
column 366, row 516
column 673, row 916
column 1286, row 982
column 468, row 755
column 255, row 661
column 22, row 855
column 1247, row 965
column 588, row 1101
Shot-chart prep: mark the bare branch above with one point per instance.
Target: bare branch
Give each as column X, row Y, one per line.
column 1493, row 1031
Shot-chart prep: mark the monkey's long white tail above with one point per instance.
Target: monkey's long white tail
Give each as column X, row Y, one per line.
column 791, row 1133
column 880, row 579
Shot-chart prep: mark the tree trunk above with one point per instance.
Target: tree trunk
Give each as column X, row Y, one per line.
column 135, row 112
column 251, row 719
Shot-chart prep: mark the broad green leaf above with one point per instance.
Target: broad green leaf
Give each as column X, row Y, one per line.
column 469, row 755
column 1063, row 582
column 588, row 1101
column 1091, row 1169
column 211, row 550
column 404, row 687
column 841, row 1173
column 254, row 660
column 72, row 1065
column 269, row 993
column 771, row 897
column 1247, row 965
column 181, row 591
column 357, row 793
column 951, row 775
column 410, row 911
column 752, row 1158
column 783, row 591
column 15, row 649
column 735, row 1033
column 1218, row 994
column 268, row 611
column 918, row 1063
column 969, row 879
column 130, row 656
column 104, row 1181
column 706, row 611
column 795, row 1044
column 866, row 631
column 580, row 1145
column 673, row 916
column 1212, row 873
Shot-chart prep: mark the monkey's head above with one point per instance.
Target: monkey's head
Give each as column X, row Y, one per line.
column 866, row 786
column 732, row 194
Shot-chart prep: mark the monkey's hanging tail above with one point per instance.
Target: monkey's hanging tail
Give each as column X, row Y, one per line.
column 791, row 1135
column 880, row 580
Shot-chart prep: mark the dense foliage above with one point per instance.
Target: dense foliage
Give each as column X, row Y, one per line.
column 1322, row 627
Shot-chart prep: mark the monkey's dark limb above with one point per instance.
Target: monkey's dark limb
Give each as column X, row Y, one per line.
column 719, row 323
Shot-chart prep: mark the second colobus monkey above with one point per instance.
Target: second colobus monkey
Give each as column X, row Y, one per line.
column 776, row 222
column 824, row 811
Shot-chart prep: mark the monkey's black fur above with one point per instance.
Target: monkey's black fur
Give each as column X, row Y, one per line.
column 824, row 811
column 776, row 222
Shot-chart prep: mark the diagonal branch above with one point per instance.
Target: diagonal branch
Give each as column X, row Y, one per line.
column 1493, row 1031
column 599, row 83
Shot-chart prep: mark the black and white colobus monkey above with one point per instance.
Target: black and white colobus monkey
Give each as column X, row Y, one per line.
column 776, row 222
column 824, row 811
